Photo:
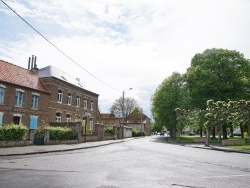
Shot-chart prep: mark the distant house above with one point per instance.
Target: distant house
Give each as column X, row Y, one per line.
column 109, row 119
column 139, row 121
column 23, row 97
column 69, row 101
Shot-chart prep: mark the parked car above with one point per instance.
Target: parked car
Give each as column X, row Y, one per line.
column 162, row 133
column 191, row 133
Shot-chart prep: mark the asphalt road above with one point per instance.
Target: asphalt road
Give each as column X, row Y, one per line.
column 145, row 162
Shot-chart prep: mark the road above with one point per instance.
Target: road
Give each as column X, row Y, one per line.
column 144, row 162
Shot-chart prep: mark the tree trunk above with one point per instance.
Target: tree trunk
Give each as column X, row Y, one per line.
column 241, row 130
column 201, row 132
column 207, row 138
column 173, row 135
column 213, row 132
column 232, row 131
column 224, row 129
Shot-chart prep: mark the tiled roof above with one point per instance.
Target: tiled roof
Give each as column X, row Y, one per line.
column 17, row 75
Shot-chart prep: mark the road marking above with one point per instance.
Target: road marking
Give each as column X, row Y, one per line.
column 211, row 177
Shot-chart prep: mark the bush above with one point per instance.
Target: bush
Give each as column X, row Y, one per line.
column 61, row 133
column 40, row 131
column 109, row 130
column 13, row 132
column 138, row 133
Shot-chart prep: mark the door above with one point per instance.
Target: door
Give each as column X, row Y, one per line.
column 33, row 123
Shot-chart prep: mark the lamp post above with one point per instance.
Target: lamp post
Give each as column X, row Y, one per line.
column 123, row 116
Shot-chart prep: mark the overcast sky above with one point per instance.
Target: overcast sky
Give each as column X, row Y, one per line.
column 124, row 43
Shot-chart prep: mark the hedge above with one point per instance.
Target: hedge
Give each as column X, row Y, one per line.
column 138, row 133
column 62, row 133
column 13, row 132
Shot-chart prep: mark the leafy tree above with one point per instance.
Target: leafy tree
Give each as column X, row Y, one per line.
column 218, row 74
column 170, row 94
column 129, row 106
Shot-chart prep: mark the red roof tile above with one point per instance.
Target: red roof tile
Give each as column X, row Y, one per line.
column 17, row 75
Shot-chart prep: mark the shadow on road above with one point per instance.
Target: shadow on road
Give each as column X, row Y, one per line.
column 161, row 139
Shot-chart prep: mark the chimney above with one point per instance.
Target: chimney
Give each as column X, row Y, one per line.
column 29, row 64
column 33, row 67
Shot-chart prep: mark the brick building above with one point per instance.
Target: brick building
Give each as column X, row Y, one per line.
column 23, row 97
column 69, row 101
column 33, row 96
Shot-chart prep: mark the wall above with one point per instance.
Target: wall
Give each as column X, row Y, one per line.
column 9, row 109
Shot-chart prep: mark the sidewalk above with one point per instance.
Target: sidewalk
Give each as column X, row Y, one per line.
column 35, row 149
column 27, row 150
column 218, row 148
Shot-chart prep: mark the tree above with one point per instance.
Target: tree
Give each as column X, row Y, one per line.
column 170, row 94
column 129, row 106
column 218, row 74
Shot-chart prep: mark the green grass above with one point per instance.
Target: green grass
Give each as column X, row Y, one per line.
column 190, row 139
column 245, row 147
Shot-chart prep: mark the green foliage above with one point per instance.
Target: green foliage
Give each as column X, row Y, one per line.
column 218, row 74
column 110, row 130
column 61, row 133
column 13, row 132
column 40, row 130
column 136, row 133
column 170, row 94
column 83, row 128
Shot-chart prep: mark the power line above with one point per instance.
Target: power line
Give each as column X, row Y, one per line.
column 58, row 48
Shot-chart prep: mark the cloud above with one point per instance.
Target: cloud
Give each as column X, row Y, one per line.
column 123, row 43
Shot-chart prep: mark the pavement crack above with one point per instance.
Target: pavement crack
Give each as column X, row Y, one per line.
column 174, row 184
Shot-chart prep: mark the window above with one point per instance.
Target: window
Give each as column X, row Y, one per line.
column 69, row 99
column 91, row 124
column 58, row 117
column 85, row 104
column 19, row 98
column 59, row 96
column 34, row 101
column 77, row 101
column 2, row 93
column 1, row 119
column 92, row 105
column 68, row 118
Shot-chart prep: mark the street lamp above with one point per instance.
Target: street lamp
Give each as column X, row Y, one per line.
column 123, row 116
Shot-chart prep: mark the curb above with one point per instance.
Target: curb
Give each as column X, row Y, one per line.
column 61, row 150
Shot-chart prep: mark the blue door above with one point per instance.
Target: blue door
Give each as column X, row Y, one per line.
column 33, row 123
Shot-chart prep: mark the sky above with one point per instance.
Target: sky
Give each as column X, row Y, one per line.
column 114, row 45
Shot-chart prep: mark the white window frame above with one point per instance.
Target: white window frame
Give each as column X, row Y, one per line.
column 68, row 118
column 85, row 106
column 58, row 118
column 77, row 101
column 59, row 96
column 69, row 98
column 92, row 105
column 19, row 97
column 34, row 101
column 91, row 124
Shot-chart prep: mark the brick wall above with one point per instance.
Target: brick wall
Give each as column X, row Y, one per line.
column 9, row 109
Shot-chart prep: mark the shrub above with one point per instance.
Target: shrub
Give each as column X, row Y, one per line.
column 136, row 133
column 61, row 133
column 109, row 130
column 40, row 131
column 13, row 132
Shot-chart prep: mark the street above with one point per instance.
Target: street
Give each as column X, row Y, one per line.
column 144, row 162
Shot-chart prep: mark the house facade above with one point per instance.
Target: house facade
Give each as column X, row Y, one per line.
column 69, row 101
column 109, row 119
column 23, row 97
column 36, row 96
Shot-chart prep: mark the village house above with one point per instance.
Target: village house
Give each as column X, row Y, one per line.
column 35, row 96
column 23, row 97
column 69, row 101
